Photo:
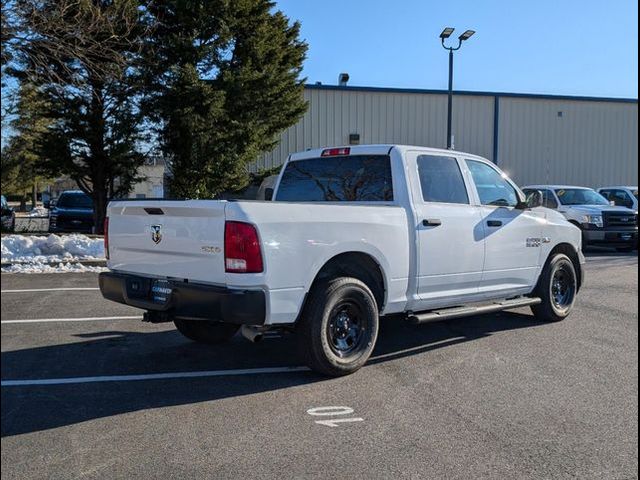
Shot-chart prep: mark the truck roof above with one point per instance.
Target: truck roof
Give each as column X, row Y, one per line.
column 377, row 149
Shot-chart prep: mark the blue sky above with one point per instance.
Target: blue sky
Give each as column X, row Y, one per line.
column 564, row 47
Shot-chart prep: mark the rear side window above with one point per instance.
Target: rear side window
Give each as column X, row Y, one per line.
column 441, row 180
column 349, row 178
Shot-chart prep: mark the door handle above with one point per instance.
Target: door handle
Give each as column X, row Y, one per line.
column 494, row 223
column 431, row 222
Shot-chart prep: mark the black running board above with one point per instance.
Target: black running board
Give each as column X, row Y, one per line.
column 459, row 312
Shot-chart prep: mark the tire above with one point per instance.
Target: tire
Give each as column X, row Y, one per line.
column 338, row 327
column 207, row 332
column 558, row 298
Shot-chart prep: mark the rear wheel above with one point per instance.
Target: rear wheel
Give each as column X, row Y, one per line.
column 339, row 327
column 557, row 287
column 204, row 331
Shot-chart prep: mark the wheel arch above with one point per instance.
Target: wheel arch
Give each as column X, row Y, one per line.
column 356, row 264
column 571, row 252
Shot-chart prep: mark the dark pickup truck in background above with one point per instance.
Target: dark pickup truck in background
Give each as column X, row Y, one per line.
column 72, row 212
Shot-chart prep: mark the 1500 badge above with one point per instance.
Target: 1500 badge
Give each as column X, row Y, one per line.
column 208, row 249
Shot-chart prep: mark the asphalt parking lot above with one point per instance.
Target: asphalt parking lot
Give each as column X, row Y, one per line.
column 90, row 391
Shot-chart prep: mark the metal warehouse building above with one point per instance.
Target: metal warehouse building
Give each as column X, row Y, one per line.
column 535, row 138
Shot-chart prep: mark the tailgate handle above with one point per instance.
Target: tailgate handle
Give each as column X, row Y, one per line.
column 154, row 211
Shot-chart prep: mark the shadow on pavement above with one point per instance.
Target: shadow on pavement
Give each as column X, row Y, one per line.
column 28, row 409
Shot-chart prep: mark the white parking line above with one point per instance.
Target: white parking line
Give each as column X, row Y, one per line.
column 68, row 289
column 150, row 376
column 80, row 319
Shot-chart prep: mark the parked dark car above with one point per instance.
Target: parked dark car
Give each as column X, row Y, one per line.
column 8, row 216
column 72, row 212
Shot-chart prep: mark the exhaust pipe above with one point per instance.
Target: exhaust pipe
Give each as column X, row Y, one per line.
column 253, row 334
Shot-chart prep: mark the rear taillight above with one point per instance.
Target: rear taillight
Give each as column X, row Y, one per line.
column 241, row 248
column 106, row 237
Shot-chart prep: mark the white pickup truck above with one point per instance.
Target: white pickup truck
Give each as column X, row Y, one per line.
column 351, row 234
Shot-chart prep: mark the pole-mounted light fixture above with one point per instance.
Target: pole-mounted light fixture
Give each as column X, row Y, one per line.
column 466, row 35
column 446, row 33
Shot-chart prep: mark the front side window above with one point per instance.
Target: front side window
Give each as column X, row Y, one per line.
column 492, row 187
column 621, row 198
column 441, row 180
column 580, row 196
column 348, row 178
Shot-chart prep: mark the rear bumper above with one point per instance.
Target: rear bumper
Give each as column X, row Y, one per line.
column 187, row 301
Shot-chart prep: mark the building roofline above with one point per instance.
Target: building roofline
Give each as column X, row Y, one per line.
column 538, row 96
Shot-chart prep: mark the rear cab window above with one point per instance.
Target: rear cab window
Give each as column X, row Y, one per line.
column 347, row 178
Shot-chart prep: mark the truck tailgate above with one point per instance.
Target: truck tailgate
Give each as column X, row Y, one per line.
column 168, row 239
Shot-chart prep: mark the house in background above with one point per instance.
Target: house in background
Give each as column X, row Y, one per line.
column 153, row 185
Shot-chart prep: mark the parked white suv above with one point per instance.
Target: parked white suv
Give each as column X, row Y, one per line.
column 352, row 233
column 601, row 223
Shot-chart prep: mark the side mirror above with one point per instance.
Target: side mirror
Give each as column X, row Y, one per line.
column 46, row 204
column 268, row 194
column 612, row 203
column 535, row 199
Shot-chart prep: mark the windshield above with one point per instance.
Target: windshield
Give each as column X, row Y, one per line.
column 74, row 200
column 580, row 196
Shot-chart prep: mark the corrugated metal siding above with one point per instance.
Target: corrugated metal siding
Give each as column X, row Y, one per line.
column 591, row 144
column 402, row 118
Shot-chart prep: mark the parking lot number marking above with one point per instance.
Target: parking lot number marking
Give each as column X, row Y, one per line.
column 333, row 411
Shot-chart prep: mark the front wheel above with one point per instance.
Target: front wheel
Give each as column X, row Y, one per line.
column 204, row 331
column 557, row 287
column 339, row 327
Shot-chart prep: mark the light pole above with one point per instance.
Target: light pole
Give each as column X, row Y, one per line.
column 446, row 33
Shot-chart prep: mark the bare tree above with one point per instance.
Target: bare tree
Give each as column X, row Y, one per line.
column 39, row 37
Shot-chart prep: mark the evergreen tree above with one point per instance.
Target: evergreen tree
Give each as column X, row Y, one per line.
column 96, row 135
column 224, row 78
column 21, row 170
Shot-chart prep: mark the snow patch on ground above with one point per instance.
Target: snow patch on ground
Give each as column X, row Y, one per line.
column 31, row 254
column 38, row 212
column 46, row 268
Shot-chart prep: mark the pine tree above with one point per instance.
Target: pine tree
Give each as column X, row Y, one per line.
column 97, row 132
column 225, row 82
column 21, row 171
